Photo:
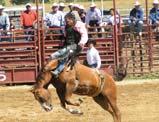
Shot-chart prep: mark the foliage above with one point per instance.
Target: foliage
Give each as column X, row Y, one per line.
column 2, row 2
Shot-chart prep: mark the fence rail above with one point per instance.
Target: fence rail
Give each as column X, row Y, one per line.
column 21, row 59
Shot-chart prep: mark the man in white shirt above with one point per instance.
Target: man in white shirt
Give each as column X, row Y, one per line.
column 93, row 17
column 111, row 19
column 93, row 58
column 55, row 19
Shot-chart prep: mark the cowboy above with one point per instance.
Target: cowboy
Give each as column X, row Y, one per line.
column 93, row 17
column 76, row 37
column 136, row 19
column 92, row 56
column 154, row 14
column 28, row 19
column 4, row 23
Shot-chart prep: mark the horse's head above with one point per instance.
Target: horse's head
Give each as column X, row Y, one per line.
column 43, row 96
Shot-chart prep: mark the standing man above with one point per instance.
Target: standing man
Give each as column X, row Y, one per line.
column 61, row 9
column 93, row 58
column 136, row 19
column 28, row 19
column 55, row 20
column 4, row 24
column 93, row 17
column 154, row 14
column 75, row 11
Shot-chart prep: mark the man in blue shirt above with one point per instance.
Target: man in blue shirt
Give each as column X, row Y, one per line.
column 4, row 24
column 136, row 19
column 154, row 14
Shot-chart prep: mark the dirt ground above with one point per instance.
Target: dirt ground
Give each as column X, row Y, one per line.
column 137, row 102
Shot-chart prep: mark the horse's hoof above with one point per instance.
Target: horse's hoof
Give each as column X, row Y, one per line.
column 75, row 111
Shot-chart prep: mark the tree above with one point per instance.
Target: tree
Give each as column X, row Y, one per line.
column 2, row 2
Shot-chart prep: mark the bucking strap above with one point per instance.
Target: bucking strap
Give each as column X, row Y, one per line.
column 100, row 83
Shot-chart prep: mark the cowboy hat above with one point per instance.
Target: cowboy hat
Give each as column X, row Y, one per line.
column 137, row 3
column 62, row 4
column 55, row 5
column 155, row 2
column 70, row 4
column 28, row 4
column 92, row 5
column 1, row 7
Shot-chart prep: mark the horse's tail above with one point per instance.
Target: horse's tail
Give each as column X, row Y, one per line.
column 121, row 71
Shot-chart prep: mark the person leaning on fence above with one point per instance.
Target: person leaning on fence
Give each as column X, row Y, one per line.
column 61, row 9
column 82, row 13
column 28, row 18
column 75, row 11
column 93, row 59
column 154, row 14
column 136, row 19
column 55, row 20
column 70, row 6
column 94, row 18
column 4, row 24
column 76, row 37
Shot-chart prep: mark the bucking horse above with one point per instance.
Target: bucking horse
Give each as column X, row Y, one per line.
column 80, row 80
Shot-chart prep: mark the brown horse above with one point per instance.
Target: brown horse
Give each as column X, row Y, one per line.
column 80, row 80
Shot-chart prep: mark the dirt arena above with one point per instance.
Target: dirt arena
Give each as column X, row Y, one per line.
column 138, row 102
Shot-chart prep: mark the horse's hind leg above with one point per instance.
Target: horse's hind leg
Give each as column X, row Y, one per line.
column 104, row 103
column 113, row 104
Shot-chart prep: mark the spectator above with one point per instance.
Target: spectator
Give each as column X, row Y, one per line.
column 55, row 19
column 75, row 11
column 70, row 7
column 136, row 19
column 28, row 19
column 111, row 19
column 82, row 13
column 154, row 14
column 4, row 24
column 93, row 17
column 61, row 8
column 92, row 56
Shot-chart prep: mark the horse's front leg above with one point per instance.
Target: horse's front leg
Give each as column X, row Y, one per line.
column 70, row 88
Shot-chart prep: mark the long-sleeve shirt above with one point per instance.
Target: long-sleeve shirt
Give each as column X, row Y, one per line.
column 4, row 22
column 93, row 15
column 28, row 18
column 81, row 28
column 93, row 57
column 54, row 19
column 118, row 20
column 136, row 14
column 154, row 15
